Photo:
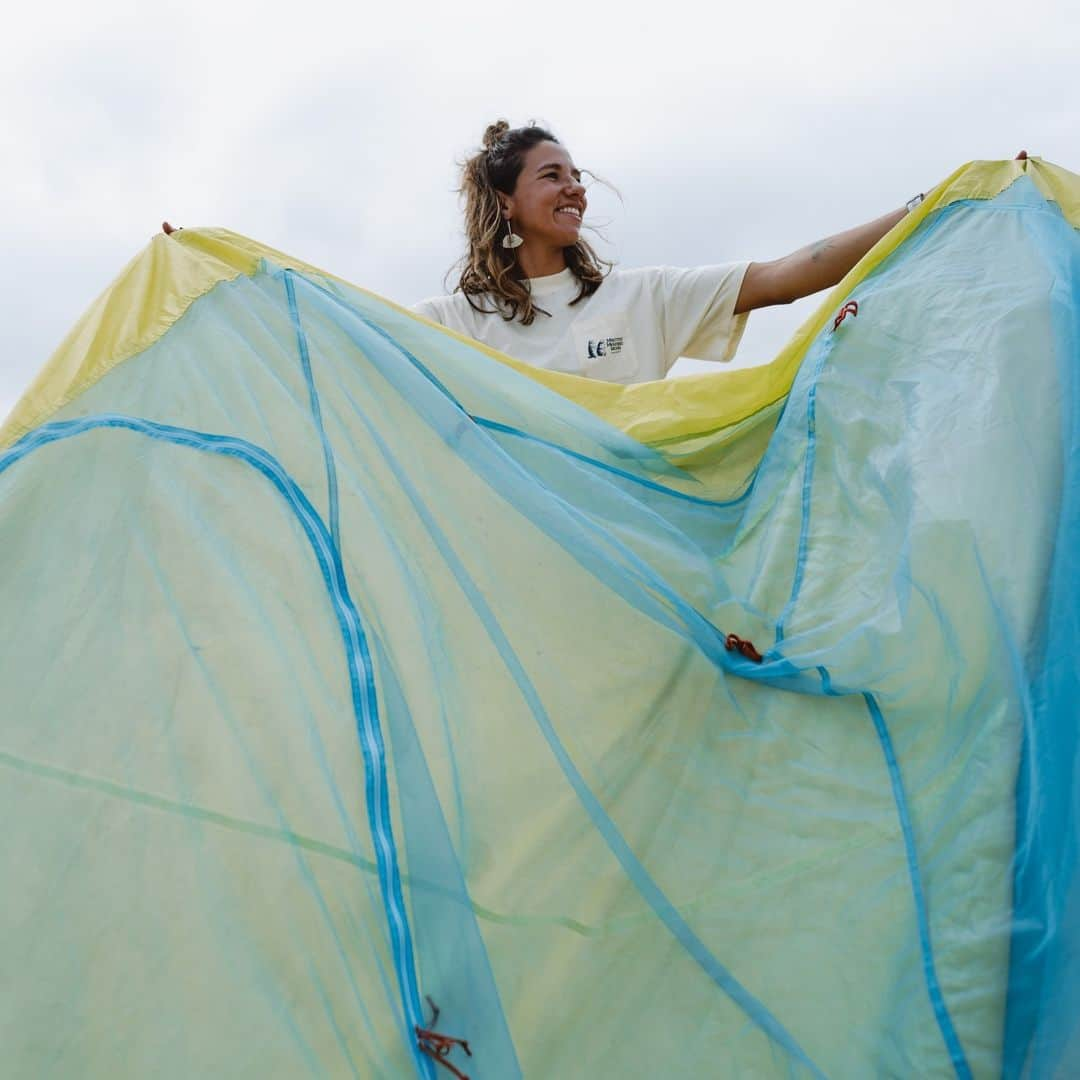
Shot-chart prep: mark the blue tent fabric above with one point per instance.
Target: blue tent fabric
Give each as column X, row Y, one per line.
column 350, row 675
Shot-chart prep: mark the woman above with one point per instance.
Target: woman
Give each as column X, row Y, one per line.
column 532, row 288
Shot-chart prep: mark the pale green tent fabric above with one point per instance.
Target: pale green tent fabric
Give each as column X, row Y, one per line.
column 347, row 669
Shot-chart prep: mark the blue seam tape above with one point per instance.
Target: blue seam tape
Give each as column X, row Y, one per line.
column 506, row 429
column 808, row 481
column 651, row 892
column 358, row 657
column 708, row 637
column 316, row 410
column 937, row 999
column 933, row 987
column 711, row 644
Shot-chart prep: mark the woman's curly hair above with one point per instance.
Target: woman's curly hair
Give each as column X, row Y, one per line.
column 490, row 272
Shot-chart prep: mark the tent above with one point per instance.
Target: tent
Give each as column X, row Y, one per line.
column 374, row 705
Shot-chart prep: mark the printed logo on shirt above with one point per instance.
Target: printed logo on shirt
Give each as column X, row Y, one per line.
column 599, row 347
column 604, row 347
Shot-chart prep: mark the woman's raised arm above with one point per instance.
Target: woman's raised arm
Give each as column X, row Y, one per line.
column 817, row 266
column 812, row 268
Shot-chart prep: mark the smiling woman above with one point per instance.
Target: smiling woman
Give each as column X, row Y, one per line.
column 532, row 288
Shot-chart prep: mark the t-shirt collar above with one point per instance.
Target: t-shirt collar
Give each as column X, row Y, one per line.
column 545, row 286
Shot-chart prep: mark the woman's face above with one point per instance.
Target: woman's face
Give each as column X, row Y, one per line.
column 549, row 200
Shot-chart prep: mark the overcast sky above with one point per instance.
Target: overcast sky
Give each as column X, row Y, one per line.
column 331, row 131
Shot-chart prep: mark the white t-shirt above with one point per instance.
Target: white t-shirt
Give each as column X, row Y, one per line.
column 632, row 329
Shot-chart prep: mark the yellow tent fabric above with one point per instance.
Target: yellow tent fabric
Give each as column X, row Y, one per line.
column 156, row 288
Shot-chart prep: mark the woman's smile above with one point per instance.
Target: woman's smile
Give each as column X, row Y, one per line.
column 548, row 203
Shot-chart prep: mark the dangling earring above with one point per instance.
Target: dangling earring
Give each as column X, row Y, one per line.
column 511, row 239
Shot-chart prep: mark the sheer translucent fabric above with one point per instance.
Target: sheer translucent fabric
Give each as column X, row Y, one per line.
column 351, row 673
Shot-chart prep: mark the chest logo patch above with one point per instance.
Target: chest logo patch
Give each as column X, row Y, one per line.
column 598, row 347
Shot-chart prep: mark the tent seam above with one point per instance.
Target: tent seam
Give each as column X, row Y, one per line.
column 316, row 409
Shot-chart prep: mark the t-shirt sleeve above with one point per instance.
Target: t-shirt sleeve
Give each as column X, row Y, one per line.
column 698, row 311
column 430, row 310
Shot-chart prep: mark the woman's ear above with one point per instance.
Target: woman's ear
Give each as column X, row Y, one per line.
column 506, row 206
